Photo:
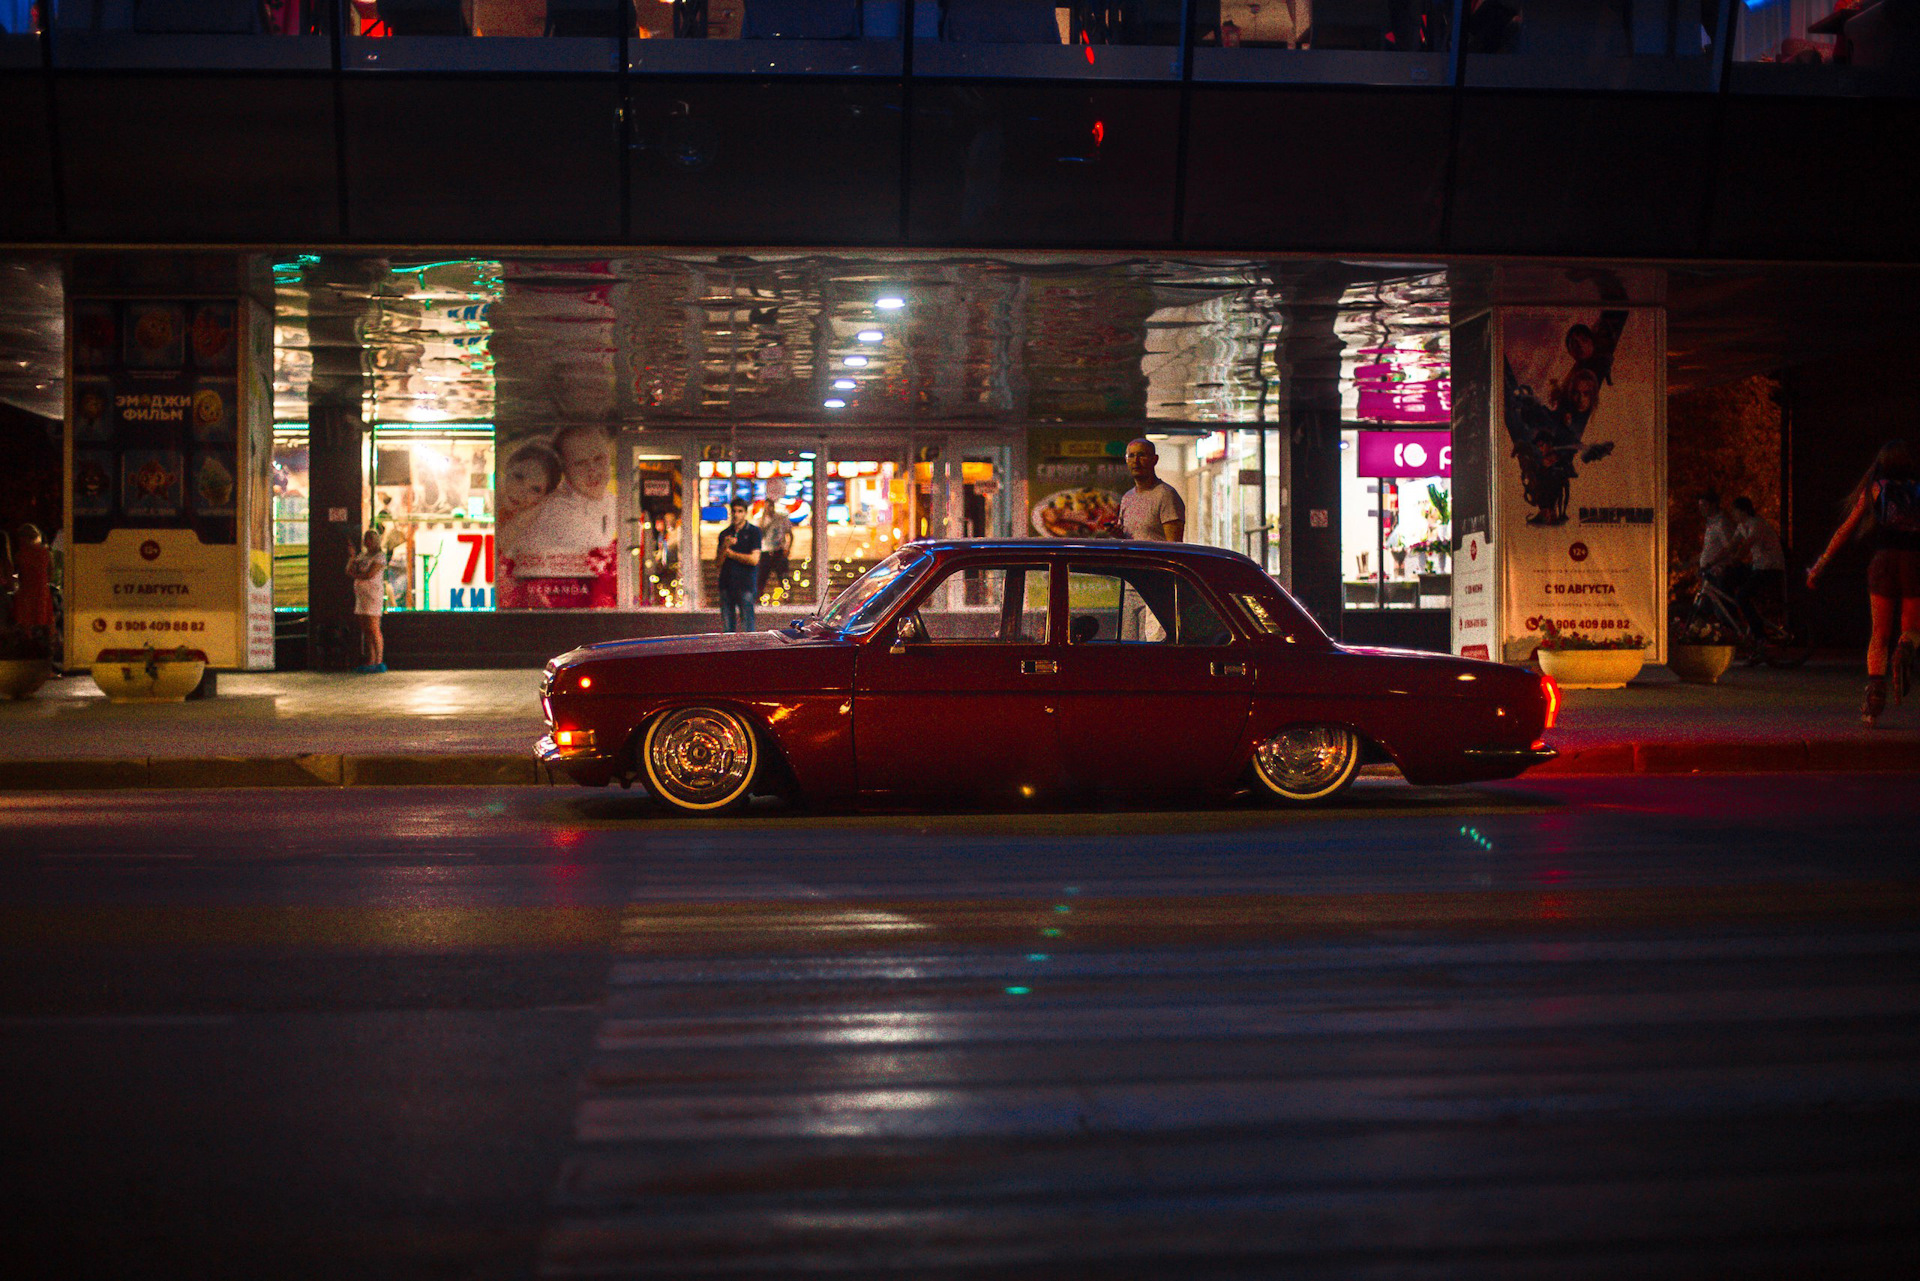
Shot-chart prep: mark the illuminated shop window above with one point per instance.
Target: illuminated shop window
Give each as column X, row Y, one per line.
column 1396, row 526
column 430, row 494
column 290, row 516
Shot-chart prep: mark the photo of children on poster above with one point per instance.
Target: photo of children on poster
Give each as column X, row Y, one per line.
column 1582, row 434
column 556, row 538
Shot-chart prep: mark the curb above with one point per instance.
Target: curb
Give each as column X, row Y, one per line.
column 492, row 769
column 320, row 770
column 1790, row 756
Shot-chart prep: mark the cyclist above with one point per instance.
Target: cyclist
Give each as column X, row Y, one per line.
column 1716, row 539
column 1764, row 573
column 1885, row 504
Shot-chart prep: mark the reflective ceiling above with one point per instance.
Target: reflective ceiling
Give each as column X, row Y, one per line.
column 658, row 338
column 809, row 338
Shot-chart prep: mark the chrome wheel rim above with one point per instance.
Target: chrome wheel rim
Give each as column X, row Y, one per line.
column 700, row 758
column 1307, row 761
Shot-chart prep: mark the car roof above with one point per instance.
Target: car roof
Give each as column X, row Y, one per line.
column 1103, row 546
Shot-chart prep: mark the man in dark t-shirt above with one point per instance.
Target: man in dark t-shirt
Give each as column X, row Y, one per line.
column 739, row 577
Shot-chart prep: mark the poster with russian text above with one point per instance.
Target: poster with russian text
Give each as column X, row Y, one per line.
column 158, row 480
column 1579, row 463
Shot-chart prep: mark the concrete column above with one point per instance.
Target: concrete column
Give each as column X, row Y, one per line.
column 336, row 441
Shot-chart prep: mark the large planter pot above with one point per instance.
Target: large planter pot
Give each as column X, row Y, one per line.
column 19, row 677
column 148, row 676
column 1591, row 668
column 1700, row 664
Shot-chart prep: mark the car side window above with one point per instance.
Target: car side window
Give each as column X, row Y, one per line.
column 1140, row 606
column 986, row 605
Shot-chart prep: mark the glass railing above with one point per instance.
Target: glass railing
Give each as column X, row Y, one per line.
column 767, row 37
column 1660, row 45
column 19, row 33
column 1871, row 47
column 263, row 34
column 1022, row 39
column 1398, row 42
column 1859, row 47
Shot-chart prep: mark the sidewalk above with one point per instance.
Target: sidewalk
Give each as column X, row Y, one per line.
column 478, row 727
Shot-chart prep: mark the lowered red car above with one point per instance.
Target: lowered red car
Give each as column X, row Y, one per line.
column 1001, row 672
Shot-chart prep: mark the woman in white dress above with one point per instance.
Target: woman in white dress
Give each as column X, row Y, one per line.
column 365, row 570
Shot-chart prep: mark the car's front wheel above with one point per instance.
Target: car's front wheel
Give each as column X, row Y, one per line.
column 700, row 759
column 1306, row 763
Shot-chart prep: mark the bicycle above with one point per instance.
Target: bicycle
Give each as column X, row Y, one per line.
column 1713, row 616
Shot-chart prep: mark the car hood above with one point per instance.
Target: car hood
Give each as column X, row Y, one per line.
column 702, row 643
column 1446, row 670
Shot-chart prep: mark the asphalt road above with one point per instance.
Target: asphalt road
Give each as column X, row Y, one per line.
column 1575, row 1028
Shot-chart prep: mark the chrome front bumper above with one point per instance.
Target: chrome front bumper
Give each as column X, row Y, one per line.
column 548, row 752
column 1520, row 756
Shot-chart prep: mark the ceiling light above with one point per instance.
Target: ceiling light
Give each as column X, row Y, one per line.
column 870, row 335
column 844, row 384
column 854, row 362
column 836, row 403
column 889, row 303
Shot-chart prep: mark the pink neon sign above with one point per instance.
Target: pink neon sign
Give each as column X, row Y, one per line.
column 1402, row 454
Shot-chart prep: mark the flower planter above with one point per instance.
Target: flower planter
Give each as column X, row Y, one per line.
column 148, row 676
column 1699, row 664
column 19, row 677
column 1591, row 668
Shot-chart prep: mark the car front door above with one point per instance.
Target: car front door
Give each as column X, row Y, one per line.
column 1155, row 685
column 956, row 699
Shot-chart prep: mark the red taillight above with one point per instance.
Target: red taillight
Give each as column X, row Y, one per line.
column 1550, row 692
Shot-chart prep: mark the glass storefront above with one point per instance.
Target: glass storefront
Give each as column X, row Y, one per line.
column 474, row 519
column 290, row 516
column 1396, row 526
column 1230, row 481
column 430, row 492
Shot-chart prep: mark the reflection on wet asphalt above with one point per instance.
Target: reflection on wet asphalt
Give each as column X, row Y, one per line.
column 1547, row 1029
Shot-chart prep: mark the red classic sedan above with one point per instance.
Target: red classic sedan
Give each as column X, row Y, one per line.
column 1001, row 672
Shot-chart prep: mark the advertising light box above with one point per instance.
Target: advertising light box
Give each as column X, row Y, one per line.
column 1405, row 454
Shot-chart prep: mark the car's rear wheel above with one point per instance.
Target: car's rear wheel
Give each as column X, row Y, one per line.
column 1306, row 763
column 700, row 759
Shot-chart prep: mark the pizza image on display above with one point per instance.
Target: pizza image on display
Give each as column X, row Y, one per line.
column 1079, row 512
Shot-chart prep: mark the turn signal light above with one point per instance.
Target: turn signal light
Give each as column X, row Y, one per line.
column 577, row 740
column 1550, row 692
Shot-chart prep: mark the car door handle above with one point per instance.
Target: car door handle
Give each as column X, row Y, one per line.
column 1229, row 669
column 1039, row 667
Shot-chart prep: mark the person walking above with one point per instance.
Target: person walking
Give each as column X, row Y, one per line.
column 739, row 568
column 776, row 546
column 369, row 595
column 1884, row 507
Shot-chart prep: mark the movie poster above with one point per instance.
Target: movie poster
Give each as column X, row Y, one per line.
column 1579, row 471
column 556, row 531
column 166, row 529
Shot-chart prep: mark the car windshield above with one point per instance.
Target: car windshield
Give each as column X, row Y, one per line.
column 857, row 609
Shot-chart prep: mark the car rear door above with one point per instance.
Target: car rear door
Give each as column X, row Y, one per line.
column 966, row 708
column 1155, row 684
